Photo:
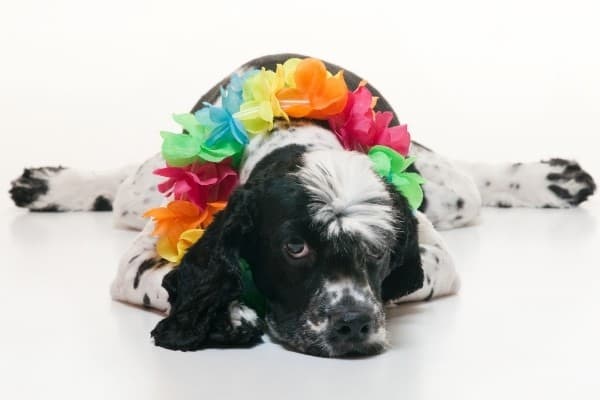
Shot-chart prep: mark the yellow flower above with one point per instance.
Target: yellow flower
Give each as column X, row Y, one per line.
column 186, row 240
column 289, row 69
column 260, row 104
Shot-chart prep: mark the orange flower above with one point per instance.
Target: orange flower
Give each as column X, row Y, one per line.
column 211, row 210
column 316, row 94
column 174, row 219
column 179, row 225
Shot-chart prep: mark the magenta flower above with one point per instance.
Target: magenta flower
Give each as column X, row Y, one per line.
column 359, row 128
column 199, row 183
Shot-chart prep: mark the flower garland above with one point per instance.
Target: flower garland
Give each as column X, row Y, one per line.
column 202, row 162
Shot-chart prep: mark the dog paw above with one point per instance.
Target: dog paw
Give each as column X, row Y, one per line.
column 241, row 314
column 29, row 189
column 568, row 182
column 239, row 327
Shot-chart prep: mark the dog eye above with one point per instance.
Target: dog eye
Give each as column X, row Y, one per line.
column 376, row 254
column 296, row 248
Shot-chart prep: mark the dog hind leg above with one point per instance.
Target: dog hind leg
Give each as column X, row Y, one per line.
column 452, row 198
column 555, row 183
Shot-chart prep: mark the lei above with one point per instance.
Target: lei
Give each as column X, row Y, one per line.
column 202, row 162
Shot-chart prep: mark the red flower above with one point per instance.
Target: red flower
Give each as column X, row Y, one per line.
column 199, row 183
column 359, row 128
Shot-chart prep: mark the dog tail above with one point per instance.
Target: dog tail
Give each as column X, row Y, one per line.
column 554, row 183
column 66, row 189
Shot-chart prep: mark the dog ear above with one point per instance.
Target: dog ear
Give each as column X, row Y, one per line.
column 406, row 274
column 205, row 289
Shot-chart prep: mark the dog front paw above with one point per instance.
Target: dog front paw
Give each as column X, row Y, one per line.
column 568, row 182
column 31, row 187
column 241, row 327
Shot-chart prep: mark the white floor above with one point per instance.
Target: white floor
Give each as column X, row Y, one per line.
column 525, row 324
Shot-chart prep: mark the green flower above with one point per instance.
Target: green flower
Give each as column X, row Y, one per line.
column 392, row 166
column 180, row 150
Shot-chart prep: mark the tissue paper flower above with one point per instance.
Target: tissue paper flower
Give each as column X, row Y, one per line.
column 174, row 219
column 180, row 222
column 174, row 253
column 212, row 209
column 390, row 165
column 314, row 94
column 222, row 126
column 180, row 150
column 232, row 95
column 359, row 128
column 199, row 183
column 260, row 104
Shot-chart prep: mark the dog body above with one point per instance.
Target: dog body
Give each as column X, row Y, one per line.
column 328, row 241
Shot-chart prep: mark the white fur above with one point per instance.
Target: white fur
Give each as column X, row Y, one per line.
column 521, row 184
column 312, row 136
column 346, row 287
column 239, row 312
column 149, row 282
column 379, row 336
column 73, row 190
column 318, row 327
column 453, row 199
column 137, row 194
column 347, row 195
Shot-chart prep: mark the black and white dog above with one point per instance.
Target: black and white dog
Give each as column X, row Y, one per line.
column 329, row 243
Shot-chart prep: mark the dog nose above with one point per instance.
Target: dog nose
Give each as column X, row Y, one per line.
column 351, row 326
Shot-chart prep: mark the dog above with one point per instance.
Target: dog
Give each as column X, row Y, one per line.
column 330, row 244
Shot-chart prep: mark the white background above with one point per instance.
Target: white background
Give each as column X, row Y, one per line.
column 90, row 83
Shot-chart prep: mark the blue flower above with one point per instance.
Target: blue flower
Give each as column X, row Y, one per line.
column 231, row 96
column 222, row 125
column 219, row 120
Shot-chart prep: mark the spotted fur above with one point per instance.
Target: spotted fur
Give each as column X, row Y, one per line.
column 368, row 249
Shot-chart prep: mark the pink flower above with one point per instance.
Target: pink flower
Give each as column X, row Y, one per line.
column 199, row 183
column 359, row 128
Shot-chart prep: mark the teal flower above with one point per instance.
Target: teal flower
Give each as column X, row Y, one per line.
column 232, row 96
column 180, row 150
column 223, row 127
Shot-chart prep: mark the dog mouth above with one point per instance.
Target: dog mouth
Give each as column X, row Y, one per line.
column 303, row 340
column 347, row 351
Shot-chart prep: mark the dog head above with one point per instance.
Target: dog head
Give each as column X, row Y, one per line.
column 322, row 233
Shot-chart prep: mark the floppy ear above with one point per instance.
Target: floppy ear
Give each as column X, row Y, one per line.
column 205, row 289
column 406, row 274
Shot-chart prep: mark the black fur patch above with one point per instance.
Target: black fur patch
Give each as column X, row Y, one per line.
column 203, row 286
column 27, row 189
column 503, row 204
column 560, row 192
column 429, row 296
column 571, row 171
column 145, row 266
column 557, row 162
column 553, row 176
column 146, row 300
column 102, row 204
